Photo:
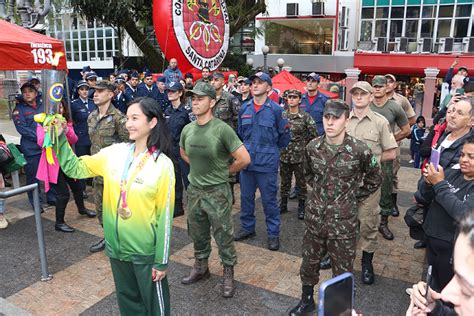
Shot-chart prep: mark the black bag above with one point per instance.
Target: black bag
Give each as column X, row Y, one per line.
column 414, row 216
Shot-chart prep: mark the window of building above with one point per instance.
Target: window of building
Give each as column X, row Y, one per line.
column 463, row 10
column 381, row 13
column 381, row 28
column 309, row 36
column 367, row 13
column 411, row 28
column 397, row 13
column 428, row 12
column 395, row 29
column 366, row 30
column 460, row 28
column 427, row 28
column 446, row 11
column 444, row 27
column 413, row 12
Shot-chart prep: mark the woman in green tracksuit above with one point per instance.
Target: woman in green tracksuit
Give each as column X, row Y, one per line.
column 137, row 207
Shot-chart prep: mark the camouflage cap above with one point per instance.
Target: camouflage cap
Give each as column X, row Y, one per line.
column 362, row 85
column 391, row 77
column 105, row 85
column 379, row 81
column 336, row 108
column 203, row 89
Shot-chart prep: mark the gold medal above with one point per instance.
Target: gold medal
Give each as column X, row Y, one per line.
column 124, row 212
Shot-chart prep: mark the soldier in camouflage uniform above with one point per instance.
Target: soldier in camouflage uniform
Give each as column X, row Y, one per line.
column 342, row 172
column 106, row 127
column 302, row 129
column 226, row 109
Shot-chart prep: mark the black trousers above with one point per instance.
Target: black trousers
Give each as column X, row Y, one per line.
column 63, row 195
column 440, row 256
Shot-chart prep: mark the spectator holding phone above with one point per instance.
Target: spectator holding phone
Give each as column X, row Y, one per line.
column 460, row 290
column 450, row 197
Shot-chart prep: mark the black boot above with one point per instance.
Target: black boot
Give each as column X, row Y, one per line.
column 301, row 205
column 178, row 208
column 325, row 264
column 60, row 225
column 284, row 205
column 420, row 244
column 367, row 268
column 395, row 210
column 383, row 228
column 306, row 305
column 97, row 247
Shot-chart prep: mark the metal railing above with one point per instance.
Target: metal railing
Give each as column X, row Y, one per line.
column 45, row 276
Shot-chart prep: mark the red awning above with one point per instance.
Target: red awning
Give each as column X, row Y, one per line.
column 22, row 49
column 408, row 64
column 284, row 81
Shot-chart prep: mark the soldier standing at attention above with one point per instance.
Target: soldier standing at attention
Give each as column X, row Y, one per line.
column 373, row 129
column 302, row 130
column 395, row 116
column 342, row 172
column 206, row 145
column 106, row 127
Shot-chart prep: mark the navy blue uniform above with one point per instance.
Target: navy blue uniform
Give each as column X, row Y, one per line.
column 130, row 93
column 162, row 99
column 144, row 91
column 26, row 126
column 120, row 102
column 315, row 109
column 263, row 134
column 176, row 120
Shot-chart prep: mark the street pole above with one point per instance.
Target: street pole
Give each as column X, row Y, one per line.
column 265, row 50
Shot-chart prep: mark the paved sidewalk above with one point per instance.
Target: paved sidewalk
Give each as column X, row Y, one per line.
column 267, row 282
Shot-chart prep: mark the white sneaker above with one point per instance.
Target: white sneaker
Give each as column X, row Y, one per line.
column 411, row 161
column 3, row 222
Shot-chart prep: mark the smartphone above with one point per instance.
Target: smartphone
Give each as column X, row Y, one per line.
column 459, row 91
column 428, row 279
column 336, row 296
column 434, row 159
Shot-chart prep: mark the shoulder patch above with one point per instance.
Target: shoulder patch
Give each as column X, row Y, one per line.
column 284, row 115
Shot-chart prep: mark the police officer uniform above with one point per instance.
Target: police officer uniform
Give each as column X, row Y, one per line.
column 23, row 118
column 263, row 133
column 91, row 76
column 315, row 108
column 162, row 97
column 176, row 120
column 131, row 92
column 120, row 100
column 147, row 91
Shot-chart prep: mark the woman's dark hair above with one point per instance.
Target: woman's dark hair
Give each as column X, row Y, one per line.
column 159, row 137
column 467, row 227
column 66, row 110
column 469, row 140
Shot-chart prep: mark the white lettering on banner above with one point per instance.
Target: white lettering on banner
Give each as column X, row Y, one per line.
column 41, row 45
column 42, row 56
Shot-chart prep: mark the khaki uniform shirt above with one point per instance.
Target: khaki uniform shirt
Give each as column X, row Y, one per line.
column 374, row 130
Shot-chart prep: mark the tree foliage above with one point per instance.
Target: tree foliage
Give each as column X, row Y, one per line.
column 134, row 15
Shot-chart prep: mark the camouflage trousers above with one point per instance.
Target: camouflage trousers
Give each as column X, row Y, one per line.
column 286, row 173
column 210, row 208
column 98, row 185
column 386, row 203
column 369, row 219
column 341, row 251
column 396, row 167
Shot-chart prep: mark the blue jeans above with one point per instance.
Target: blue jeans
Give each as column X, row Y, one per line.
column 267, row 183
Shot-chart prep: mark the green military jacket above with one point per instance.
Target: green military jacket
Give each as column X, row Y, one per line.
column 106, row 130
column 339, row 177
column 302, row 130
column 227, row 109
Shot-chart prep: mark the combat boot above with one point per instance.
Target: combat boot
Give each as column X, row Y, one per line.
column 301, row 205
column 228, row 282
column 395, row 210
column 200, row 271
column 383, row 228
column 284, row 205
column 306, row 305
column 367, row 268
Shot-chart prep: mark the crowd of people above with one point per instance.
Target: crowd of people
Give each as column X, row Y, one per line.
column 149, row 144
